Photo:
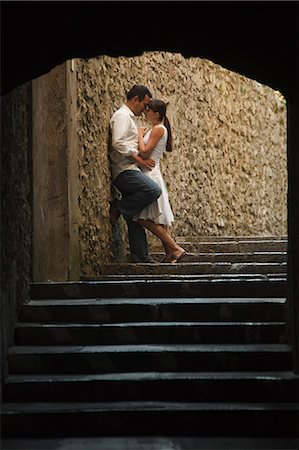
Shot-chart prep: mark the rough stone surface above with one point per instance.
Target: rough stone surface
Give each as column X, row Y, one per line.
column 227, row 174
column 50, row 175
column 94, row 171
column 16, row 229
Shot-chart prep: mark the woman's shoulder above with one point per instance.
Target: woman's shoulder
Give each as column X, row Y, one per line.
column 159, row 129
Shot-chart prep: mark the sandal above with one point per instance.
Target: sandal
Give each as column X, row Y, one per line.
column 176, row 259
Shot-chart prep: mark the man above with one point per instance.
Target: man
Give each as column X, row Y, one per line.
column 138, row 191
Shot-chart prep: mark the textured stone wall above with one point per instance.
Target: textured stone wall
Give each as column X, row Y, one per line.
column 227, row 174
column 15, row 210
column 95, row 232
column 55, row 174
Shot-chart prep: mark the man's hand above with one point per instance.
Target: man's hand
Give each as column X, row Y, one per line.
column 148, row 163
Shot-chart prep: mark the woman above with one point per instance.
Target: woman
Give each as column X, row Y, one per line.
column 158, row 216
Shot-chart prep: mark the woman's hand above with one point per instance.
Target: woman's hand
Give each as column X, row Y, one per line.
column 141, row 131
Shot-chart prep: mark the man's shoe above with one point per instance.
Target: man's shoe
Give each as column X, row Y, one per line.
column 150, row 260
column 147, row 260
column 114, row 213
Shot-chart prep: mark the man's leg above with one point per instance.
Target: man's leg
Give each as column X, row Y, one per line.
column 137, row 241
column 138, row 192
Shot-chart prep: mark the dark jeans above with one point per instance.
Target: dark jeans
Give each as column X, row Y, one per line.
column 138, row 191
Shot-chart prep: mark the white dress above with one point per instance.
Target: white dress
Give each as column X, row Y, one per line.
column 159, row 211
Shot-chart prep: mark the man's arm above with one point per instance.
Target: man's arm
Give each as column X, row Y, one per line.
column 119, row 126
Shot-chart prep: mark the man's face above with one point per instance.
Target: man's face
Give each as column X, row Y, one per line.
column 140, row 106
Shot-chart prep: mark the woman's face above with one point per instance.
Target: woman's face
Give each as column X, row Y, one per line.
column 150, row 115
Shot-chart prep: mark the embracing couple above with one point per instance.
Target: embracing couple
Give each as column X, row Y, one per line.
column 135, row 164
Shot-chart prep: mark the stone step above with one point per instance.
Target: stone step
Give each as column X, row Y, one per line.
column 228, row 246
column 149, row 419
column 149, row 332
column 209, row 238
column 258, row 257
column 151, row 443
column 208, row 285
column 194, row 268
column 154, row 386
column 136, row 358
column 121, row 310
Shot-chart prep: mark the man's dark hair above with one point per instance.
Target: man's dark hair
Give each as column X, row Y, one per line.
column 139, row 90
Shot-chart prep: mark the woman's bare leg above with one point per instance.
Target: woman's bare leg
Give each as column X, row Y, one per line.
column 168, row 253
column 172, row 248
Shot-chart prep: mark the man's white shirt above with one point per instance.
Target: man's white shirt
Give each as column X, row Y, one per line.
column 124, row 133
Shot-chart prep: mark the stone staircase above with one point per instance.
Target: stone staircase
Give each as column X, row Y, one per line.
column 243, row 255
column 148, row 352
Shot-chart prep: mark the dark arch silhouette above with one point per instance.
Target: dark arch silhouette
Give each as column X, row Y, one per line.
column 256, row 39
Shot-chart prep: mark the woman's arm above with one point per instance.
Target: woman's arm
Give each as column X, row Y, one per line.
column 146, row 149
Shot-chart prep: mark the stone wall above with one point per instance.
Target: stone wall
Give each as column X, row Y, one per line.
column 15, row 210
column 227, row 174
column 55, row 174
column 95, row 233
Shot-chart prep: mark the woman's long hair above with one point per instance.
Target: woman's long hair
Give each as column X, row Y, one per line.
column 160, row 107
